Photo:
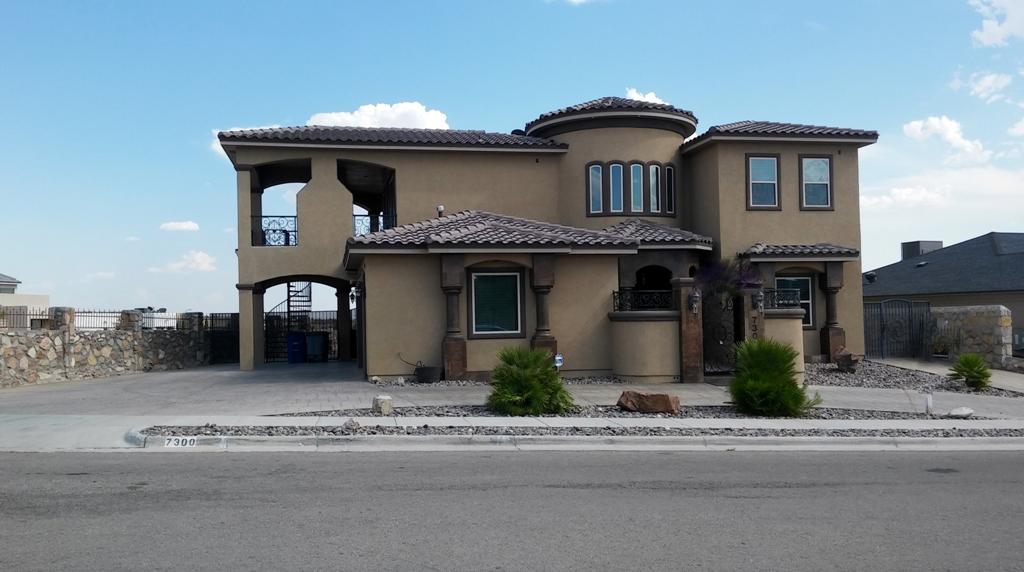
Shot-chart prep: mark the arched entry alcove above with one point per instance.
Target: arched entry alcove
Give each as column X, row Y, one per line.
column 328, row 333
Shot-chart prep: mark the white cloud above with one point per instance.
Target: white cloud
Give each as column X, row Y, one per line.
column 948, row 130
column 904, row 197
column 402, row 114
column 1017, row 130
column 180, row 226
column 1001, row 21
column 132, row 239
column 193, row 260
column 215, row 142
column 989, row 86
column 650, row 96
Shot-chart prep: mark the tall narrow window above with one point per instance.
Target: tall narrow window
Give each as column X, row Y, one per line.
column 763, row 182
column 803, row 284
column 595, row 188
column 670, row 189
column 636, row 185
column 616, row 176
column 816, row 182
column 655, row 182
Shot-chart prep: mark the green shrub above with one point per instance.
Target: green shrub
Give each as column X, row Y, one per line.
column 526, row 383
column 765, row 381
column 971, row 369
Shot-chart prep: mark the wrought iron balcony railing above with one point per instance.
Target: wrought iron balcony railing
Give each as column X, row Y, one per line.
column 365, row 224
column 781, row 298
column 643, row 300
column 275, row 231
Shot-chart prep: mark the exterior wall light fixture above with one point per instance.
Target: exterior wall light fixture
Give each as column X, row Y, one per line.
column 693, row 301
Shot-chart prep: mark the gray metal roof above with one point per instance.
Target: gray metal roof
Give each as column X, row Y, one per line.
column 751, row 128
column 9, row 279
column 612, row 104
column 653, row 233
column 993, row 262
column 388, row 137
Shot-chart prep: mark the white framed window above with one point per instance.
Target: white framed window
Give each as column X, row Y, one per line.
column 594, row 188
column 670, row 189
column 636, row 188
column 655, row 188
column 816, row 182
column 763, row 182
column 616, row 175
column 805, row 285
column 496, row 306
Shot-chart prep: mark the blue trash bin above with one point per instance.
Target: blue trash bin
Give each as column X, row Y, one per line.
column 297, row 347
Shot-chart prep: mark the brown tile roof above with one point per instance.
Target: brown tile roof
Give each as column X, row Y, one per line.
column 800, row 250
column 653, row 233
column 479, row 229
column 388, row 137
column 612, row 104
column 771, row 129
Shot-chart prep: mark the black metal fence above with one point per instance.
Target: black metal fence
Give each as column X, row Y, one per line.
column 24, row 318
column 643, row 300
column 781, row 298
column 897, row 328
column 222, row 333
column 277, row 326
column 275, row 231
column 365, row 224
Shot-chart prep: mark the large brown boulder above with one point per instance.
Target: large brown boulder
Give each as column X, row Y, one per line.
column 845, row 361
column 648, row 402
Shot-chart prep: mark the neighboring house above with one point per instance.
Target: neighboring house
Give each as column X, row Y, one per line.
column 9, row 295
column 582, row 233
column 982, row 271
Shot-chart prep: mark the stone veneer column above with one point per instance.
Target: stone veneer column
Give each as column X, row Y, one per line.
column 691, row 332
column 542, row 281
column 453, row 348
column 832, row 335
column 250, row 326
column 63, row 319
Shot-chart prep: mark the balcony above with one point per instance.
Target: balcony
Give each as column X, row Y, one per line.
column 643, row 300
column 275, row 231
column 781, row 299
column 365, row 224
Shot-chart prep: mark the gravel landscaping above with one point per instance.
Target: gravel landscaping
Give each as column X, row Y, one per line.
column 878, row 375
column 685, row 412
column 352, row 428
column 400, row 381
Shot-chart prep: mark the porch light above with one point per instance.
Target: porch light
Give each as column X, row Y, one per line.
column 693, row 301
column 759, row 301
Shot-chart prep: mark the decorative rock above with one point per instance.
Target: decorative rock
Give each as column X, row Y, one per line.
column 845, row 361
column 382, row 405
column 961, row 413
column 31, row 353
column 648, row 402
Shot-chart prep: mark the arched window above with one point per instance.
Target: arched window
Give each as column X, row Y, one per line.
column 636, row 188
column 670, row 189
column 615, row 175
column 655, row 188
column 594, row 188
column 653, row 278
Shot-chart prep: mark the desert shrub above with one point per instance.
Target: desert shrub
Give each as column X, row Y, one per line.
column 765, row 381
column 525, row 382
column 972, row 370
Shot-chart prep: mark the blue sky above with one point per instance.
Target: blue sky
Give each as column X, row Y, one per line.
column 107, row 109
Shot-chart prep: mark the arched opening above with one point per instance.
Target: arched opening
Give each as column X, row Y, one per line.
column 653, row 277
column 373, row 194
column 308, row 319
column 274, row 188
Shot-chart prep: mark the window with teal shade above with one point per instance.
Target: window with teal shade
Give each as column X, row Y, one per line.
column 496, row 303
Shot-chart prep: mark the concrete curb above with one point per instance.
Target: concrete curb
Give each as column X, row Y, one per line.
column 437, row 443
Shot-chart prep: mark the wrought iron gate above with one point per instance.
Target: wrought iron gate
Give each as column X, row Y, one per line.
column 722, row 319
column 222, row 332
column 897, row 328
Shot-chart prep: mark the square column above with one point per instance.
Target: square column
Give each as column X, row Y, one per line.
column 344, row 325
column 542, row 281
column 691, row 330
column 453, row 347
column 832, row 335
column 250, row 326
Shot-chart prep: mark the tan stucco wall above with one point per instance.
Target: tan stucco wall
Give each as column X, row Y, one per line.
column 33, row 301
column 646, row 351
column 701, row 191
column 482, row 354
column 1014, row 301
column 578, row 306
column 611, row 144
column 788, row 330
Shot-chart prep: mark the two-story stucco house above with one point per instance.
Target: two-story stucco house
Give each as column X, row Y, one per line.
column 588, row 232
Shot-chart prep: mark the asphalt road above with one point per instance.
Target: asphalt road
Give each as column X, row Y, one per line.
column 511, row 511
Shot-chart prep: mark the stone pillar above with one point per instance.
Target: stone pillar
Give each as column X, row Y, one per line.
column 832, row 335
column 63, row 320
column 453, row 348
column 691, row 332
column 130, row 321
column 250, row 326
column 542, row 281
column 344, row 324
column 192, row 322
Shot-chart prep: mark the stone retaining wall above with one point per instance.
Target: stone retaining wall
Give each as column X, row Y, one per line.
column 45, row 356
column 983, row 330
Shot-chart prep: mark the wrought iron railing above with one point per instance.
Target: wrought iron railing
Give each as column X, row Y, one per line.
column 642, row 300
column 275, row 231
column 365, row 224
column 781, row 298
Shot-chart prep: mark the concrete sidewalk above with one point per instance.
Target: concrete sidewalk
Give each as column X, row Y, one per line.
column 1007, row 380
